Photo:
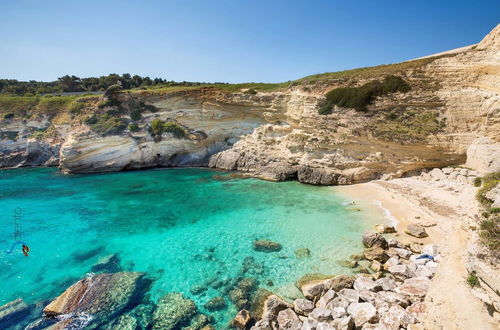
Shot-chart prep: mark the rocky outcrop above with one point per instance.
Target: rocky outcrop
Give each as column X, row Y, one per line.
column 281, row 136
column 102, row 296
column 394, row 301
column 173, row 311
column 483, row 155
column 13, row 312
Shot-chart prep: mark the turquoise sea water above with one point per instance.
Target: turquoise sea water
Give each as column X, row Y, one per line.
column 182, row 227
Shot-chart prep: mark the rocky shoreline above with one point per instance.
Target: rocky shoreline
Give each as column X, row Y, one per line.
column 390, row 298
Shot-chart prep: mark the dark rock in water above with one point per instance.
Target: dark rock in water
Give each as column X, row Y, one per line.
column 247, row 284
column 13, row 312
column 252, row 267
column 374, row 240
column 198, row 289
column 173, row 311
column 84, row 256
column 265, row 245
column 302, row 253
column 102, row 295
column 107, row 264
column 258, row 300
column 243, row 320
column 219, row 284
column 215, row 304
column 348, row 263
column 199, row 321
column 236, row 294
column 124, row 322
column 270, row 283
column 143, row 313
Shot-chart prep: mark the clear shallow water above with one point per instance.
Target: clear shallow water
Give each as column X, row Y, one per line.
column 182, row 227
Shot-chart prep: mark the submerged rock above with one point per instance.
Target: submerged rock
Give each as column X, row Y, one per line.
column 302, row 253
column 265, row 245
column 173, row 311
column 124, row 322
column 215, row 304
column 198, row 289
column 107, row 264
column 13, row 312
column 102, row 293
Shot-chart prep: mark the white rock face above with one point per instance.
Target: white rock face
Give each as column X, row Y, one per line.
column 483, row 155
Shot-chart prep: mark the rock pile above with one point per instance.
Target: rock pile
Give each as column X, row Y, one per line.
column 458, row 175
column 391, row 298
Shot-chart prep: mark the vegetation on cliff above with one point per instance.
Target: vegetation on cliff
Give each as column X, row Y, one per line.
column 490, row 226
column 105, row 124
column 360, row 97
column 76, row 84
column 158, row 127
column 407, row 126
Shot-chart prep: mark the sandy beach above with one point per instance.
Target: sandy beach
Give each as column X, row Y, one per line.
column 447, row 210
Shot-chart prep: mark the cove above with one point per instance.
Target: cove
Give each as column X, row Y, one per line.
column 186, row 229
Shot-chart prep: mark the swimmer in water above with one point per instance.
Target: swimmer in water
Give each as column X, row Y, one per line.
column 26, row 250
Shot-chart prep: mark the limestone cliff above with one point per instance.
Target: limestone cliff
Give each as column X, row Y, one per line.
column 453, row 103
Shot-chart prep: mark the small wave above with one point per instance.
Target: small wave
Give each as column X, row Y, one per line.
column 78, row 320
column 387, row 214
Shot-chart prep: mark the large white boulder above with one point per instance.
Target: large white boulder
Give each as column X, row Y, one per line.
column 483, row 155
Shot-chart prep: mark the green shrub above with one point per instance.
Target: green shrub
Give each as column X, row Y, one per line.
column 135, row 115
column 133, row 127
column 360, row 97
column 54, row 104
column 39, row 135
column 477, row 182
column 472, row 280
column 407, row 126
column 148, row 107
column 490, row 181
column 490, row 233
column 174, row 128
column 159, row 126
column 113, row 89
column 109, row 102
column 8, row 116
column 76, row 107
column 105, row 124
column 495, row 210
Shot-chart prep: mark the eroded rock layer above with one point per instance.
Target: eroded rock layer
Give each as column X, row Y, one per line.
column 453, row 105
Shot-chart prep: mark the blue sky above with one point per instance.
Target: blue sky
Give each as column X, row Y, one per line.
column 229, row 40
